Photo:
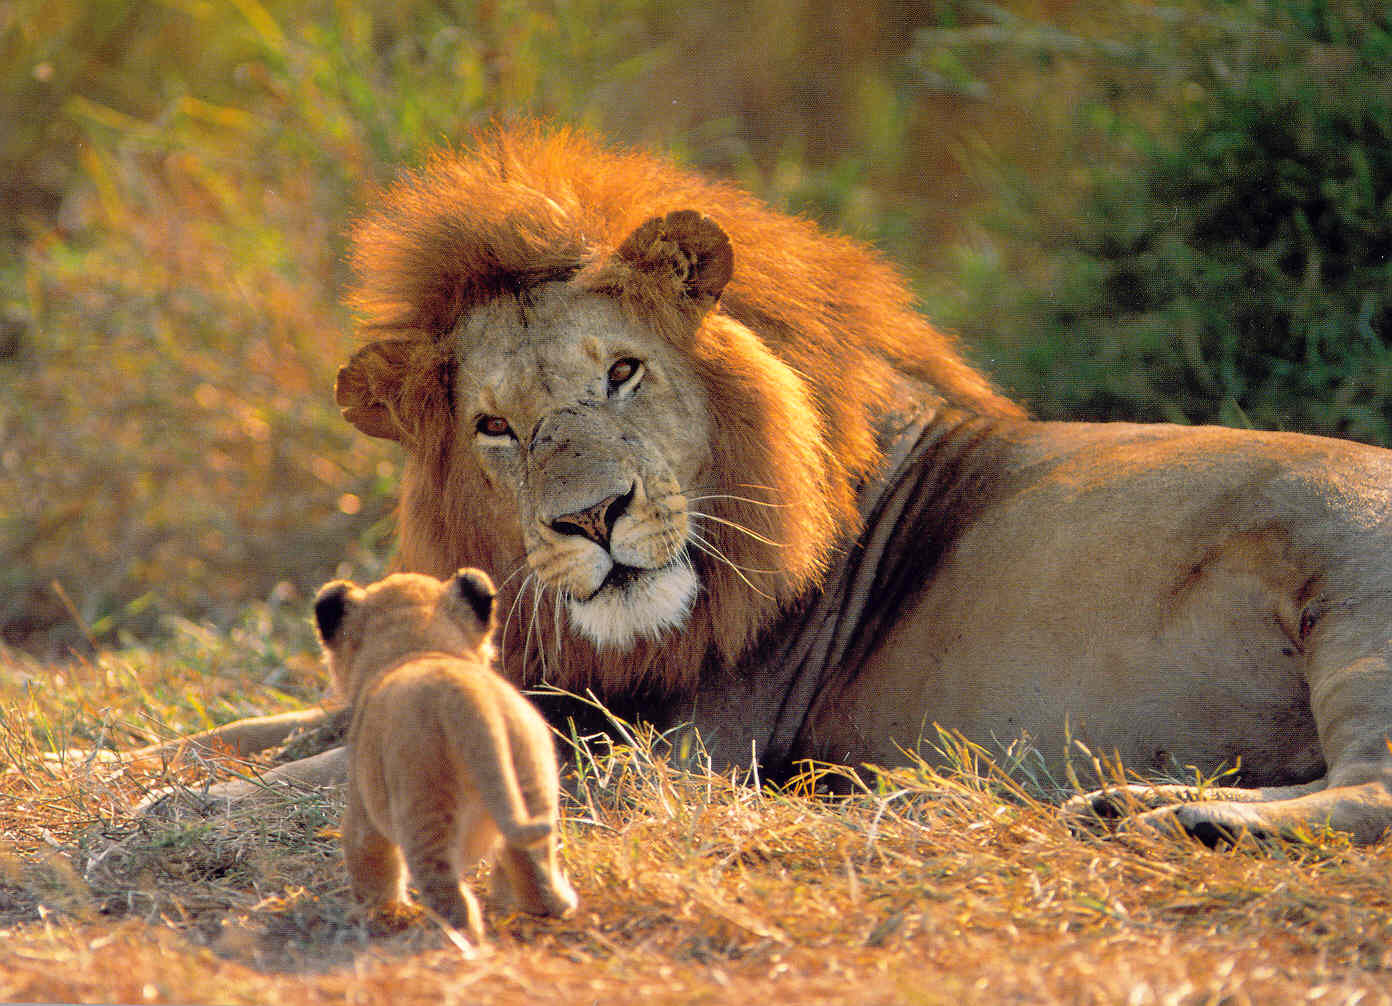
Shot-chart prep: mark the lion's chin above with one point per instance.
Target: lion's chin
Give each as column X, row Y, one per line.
column 641, row 603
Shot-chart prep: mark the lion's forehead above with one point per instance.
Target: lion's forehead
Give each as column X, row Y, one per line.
column 530, row 352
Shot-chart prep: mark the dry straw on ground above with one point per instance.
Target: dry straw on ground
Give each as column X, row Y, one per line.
column 920, row 886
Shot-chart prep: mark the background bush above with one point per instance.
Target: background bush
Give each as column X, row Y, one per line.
column 1135, row 211
column 1235, row 264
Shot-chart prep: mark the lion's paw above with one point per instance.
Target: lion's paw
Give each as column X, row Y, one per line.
column 1104, row 809
column 1214, row 823
column 1163, row 810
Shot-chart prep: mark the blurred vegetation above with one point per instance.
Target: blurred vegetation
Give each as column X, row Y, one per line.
column 1231, row 261
column 1147, row 211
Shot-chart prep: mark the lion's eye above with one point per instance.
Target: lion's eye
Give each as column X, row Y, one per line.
column 493, row 426
column 624, row 375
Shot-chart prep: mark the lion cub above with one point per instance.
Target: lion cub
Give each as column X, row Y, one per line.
column 444, row 756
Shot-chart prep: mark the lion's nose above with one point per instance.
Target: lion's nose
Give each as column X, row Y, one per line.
column 595, row 522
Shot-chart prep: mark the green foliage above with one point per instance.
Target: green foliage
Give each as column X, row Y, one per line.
column 1242, row 273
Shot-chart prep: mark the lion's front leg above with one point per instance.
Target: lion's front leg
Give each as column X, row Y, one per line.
column 311, row 755
column 330, row 768
column 239, row 738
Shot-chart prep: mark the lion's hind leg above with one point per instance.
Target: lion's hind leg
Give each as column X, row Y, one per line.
column 1363, row 811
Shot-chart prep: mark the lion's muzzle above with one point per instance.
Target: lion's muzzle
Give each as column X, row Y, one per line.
column 595, row 522
column 608, row 527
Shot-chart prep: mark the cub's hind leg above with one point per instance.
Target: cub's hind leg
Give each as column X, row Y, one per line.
column 374, row 863
column 429, row 827
column 530, row 879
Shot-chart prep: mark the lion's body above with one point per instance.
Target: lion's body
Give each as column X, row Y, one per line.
column 684, row 415
column 447, row 762
column 1217, row 618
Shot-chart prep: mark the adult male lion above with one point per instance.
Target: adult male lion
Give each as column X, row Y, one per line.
column 727, row 476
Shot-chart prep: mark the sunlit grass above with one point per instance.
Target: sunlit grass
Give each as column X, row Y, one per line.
column 923, row 883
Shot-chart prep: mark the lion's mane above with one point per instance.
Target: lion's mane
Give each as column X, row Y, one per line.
column 813, row 341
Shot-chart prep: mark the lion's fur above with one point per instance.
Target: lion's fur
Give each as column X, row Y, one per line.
column 1010, row 578
column 445, row 757
column 811, row 343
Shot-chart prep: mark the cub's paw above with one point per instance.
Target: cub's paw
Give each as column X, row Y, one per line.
column 391, row 917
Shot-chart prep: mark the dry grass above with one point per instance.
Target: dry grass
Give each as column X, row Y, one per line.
column 922, row 886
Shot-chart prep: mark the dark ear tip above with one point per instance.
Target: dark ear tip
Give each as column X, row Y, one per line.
column 330, row 605
column 474, row 586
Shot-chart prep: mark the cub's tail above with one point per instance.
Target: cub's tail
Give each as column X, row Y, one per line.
column 494, row 767
column 524, row 833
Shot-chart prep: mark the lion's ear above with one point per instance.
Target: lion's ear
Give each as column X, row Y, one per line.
column 474, row 587
column 684, row 249
column 369, row 384
column 387, row 388
column 330, row 608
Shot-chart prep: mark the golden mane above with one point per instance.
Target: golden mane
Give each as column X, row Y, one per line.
column 816, row 331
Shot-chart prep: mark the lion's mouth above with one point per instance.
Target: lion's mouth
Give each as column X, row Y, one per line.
column 621, row 576
column 631, row 602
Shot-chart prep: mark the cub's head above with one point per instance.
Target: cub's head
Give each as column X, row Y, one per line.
column 364, row 629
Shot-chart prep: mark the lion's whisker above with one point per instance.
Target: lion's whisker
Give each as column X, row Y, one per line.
column 685, row 558
column 556, row 626
column 715, row 553
column 532, row 623
column 507, row 622
column 517, row 567
column 694, row 535
column 738, row 527
column 738, row 499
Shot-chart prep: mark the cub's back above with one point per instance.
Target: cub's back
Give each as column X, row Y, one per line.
column 446, row 720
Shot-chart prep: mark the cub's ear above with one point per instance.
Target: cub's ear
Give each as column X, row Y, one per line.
column 474, row 587
column 330, row 607
column 391, row 389
column 685, row 251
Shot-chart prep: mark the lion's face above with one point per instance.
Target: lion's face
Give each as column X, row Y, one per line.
column 641, row 473
column 592, row 435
